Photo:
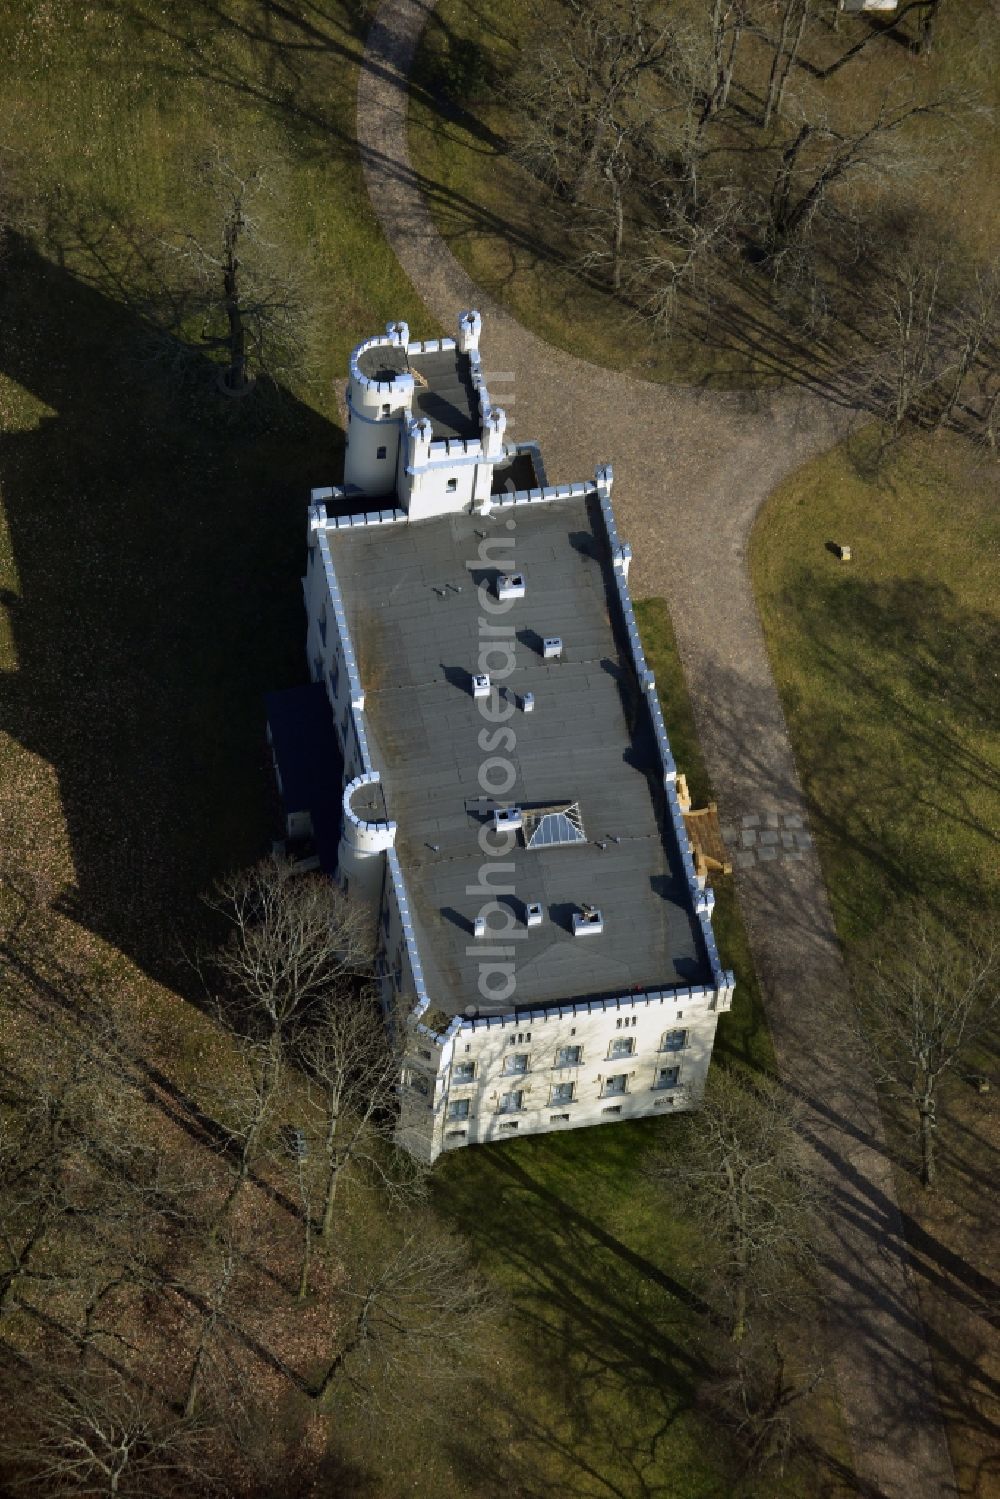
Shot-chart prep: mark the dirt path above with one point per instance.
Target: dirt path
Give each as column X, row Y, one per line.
column 691, row 470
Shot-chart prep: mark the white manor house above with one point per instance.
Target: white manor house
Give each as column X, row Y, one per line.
column 481, row 758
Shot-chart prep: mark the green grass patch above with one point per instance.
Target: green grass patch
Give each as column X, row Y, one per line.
column 887, row 669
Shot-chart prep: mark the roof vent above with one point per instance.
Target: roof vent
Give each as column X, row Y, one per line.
column 587, row 919
column 552, row 648
column 532, row 913
column 510, row 586
column 506, row 817
column 528, row 703
column 479, row 926
column 481, row 684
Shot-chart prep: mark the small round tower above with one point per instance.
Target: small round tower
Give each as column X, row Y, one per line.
column 367, row 834
column 379, row 400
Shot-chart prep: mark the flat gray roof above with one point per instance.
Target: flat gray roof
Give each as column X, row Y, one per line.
column 444, row 393
column 442, row 386
column 414, row 613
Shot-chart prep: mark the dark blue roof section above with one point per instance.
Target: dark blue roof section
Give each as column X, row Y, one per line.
column 309, row 762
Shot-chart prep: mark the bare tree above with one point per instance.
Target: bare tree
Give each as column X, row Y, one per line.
column 818, row 156
column 292, row 941
column 974, row 336
column 47, row 1175
column 683, row 252
column 241, row 291
column 922, row 1001
column 212, row 1308
column 757, row 1391
column 353, row 1071
column 579, row 90
column 88, row 1432
column 743, row 1168
column 908, row 340
column 244, row 1104
column 414, row 1312
column 794, row 16
column 727, row 21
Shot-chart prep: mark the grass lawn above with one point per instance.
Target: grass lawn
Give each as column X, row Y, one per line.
column 888, row 671
column 487, row 206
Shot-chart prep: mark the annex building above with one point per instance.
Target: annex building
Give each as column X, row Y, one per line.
column 484, row 763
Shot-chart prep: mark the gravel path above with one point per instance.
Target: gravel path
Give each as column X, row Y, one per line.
column 691, row 470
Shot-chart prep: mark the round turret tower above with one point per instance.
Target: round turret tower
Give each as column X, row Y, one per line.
column 366, row 835
column 379, row 400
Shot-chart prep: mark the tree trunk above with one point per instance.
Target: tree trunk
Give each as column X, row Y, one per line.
column 948, row 409
column 194, row 1379
column 617, row 233
column 927, row 24
column 236, row 375
column 781, row 191
column 357, row 1337
column 784, row 58
column 332, row 1165
column 307, row 1233
column 928, row 1155
column 990, row 420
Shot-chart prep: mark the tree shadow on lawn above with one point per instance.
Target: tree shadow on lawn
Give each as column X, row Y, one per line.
column 610, row 1331
column 907, row 799
column 156, row 539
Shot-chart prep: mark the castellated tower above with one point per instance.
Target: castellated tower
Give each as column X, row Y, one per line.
column 420, row 424
column 379, row 400
column 367, row 834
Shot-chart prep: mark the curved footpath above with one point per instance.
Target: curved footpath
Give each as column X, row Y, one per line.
column 691, row 470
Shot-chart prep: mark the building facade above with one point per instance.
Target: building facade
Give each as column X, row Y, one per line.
column 509, row 808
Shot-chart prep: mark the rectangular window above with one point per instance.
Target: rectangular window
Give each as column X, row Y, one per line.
column 510, row 1103
column 452, row 485
column 463, row 1072
column 562, row 1093
column 613, row 1108
column 511, row 1125
column 380, row 452
column 517, row 1062
column 674, row 1041
column 666, row 1077
column 455, row 1134
column 663, row 1103
column 616, row 1083
column 322, row 627
column 622, row 1046
column 558, row 1118
column 318, row 669
column 386, row 409
column 569, row 1056
column 334, row 678
column 458, row 1109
